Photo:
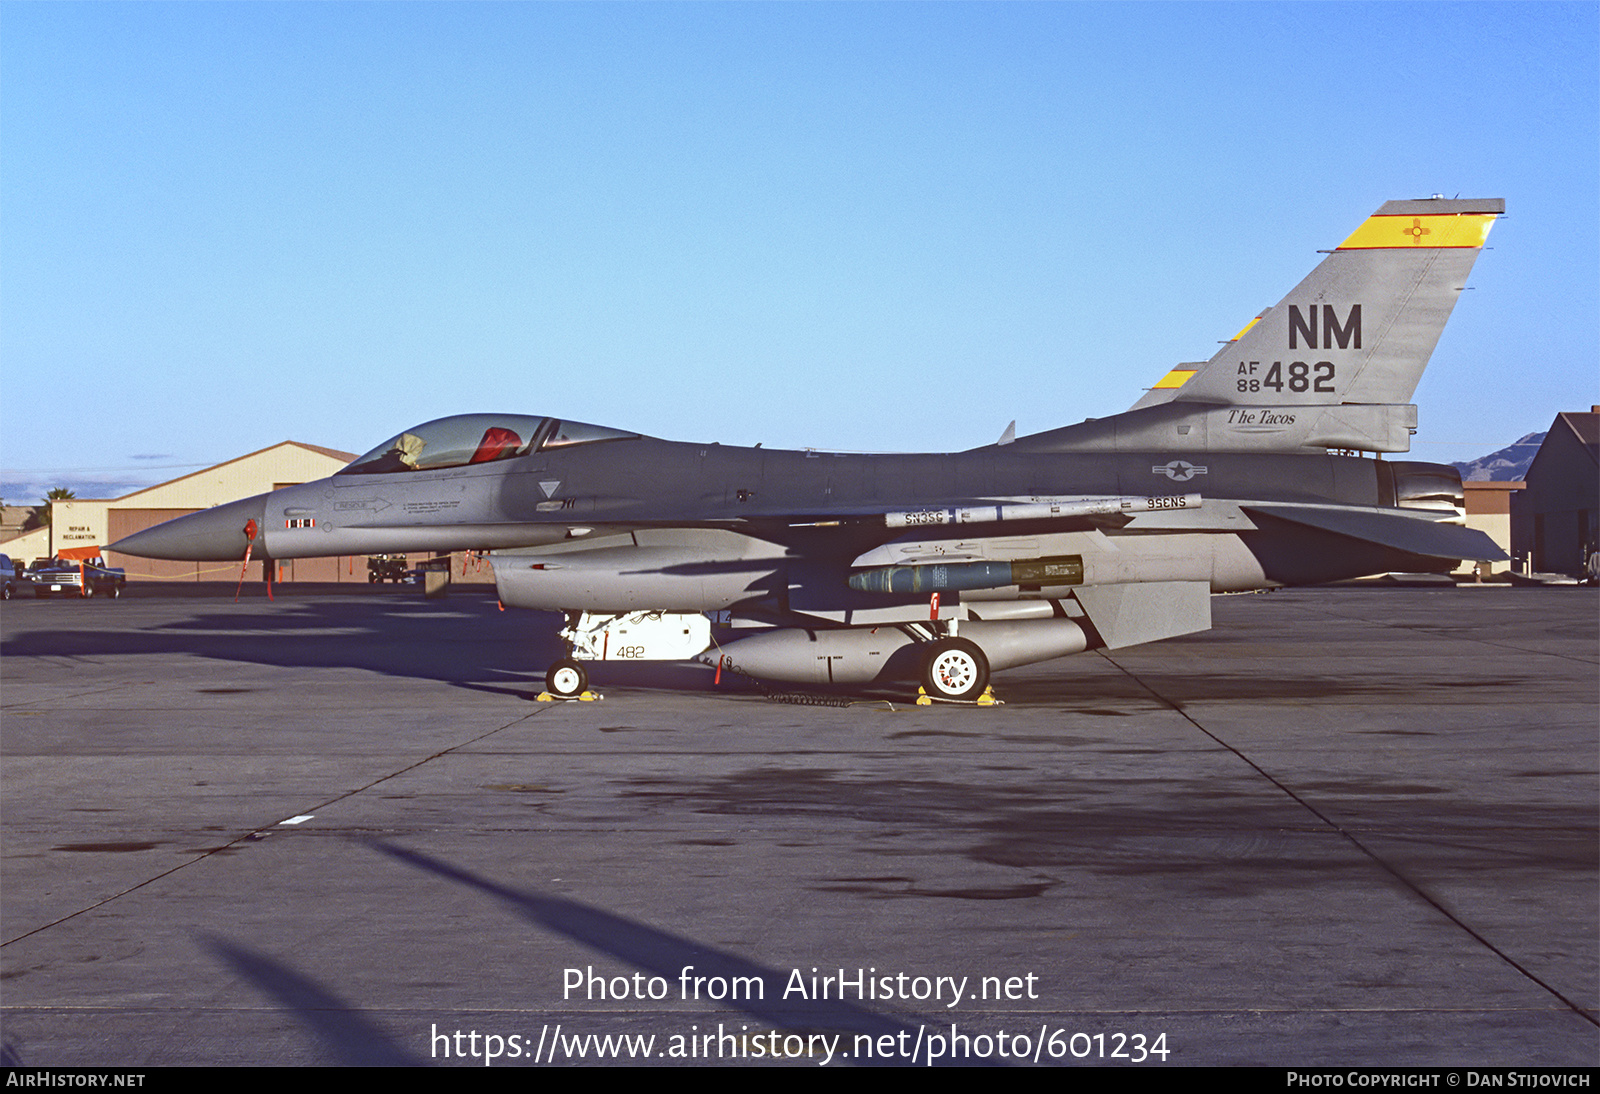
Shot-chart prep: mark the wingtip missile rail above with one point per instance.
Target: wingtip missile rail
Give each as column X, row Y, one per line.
column 1042, row 509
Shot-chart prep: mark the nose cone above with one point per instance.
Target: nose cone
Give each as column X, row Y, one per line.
column 219, row 534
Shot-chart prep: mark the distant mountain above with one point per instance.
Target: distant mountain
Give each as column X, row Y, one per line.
column 1509, row 464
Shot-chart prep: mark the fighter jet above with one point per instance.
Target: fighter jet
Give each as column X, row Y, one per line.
column 1247, row 471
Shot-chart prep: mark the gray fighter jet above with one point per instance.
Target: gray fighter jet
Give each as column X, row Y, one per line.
column 1247, row 471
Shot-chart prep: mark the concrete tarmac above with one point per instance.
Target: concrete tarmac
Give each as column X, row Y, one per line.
column 1350, row 826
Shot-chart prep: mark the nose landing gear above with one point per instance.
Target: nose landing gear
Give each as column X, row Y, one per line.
column 566, row 679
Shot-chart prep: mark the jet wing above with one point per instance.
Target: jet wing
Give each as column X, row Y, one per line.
column 1388, row 528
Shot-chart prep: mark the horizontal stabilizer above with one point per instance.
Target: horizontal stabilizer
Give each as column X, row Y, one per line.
column 1391, row 528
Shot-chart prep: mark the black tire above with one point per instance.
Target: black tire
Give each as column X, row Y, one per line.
column 7, row 591
column 566, row 679
column 113, row 591
column 954, row 668
column 88, row 588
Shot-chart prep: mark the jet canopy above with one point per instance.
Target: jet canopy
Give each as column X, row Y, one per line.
column 476, row 438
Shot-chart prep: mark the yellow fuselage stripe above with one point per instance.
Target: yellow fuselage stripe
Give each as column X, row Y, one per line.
column 1176, row 378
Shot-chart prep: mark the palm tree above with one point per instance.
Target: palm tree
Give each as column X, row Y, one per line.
column 60, row 493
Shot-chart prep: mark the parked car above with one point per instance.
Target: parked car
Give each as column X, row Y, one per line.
column 72, row 577
column 381, row 568
column 8, row 577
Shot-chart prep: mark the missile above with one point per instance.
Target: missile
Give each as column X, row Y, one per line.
column 1042, row 509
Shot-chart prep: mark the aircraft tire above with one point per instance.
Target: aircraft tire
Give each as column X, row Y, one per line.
column 566, row 679
column 955, row 668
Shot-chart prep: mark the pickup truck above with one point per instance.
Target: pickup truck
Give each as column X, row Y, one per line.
column 381, row 568
column 67, row 577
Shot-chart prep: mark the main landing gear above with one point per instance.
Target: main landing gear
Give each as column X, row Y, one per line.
column 955, row 670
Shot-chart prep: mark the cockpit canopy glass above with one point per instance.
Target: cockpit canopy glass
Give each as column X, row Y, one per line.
column 475, row 438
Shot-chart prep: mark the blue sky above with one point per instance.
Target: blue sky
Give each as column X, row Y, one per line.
column 851, row 226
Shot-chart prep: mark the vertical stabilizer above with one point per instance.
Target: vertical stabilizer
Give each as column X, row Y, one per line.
column 1361, row 327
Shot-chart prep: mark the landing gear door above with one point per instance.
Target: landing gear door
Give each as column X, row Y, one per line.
column 638, row 636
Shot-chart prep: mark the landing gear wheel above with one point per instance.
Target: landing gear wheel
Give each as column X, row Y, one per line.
column 566, row 679
column 955, row 668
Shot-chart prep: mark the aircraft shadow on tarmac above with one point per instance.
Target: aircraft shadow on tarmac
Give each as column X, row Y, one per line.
column 661, row 953
column 465, row 642
column 355, row 1040
column 352, row 1039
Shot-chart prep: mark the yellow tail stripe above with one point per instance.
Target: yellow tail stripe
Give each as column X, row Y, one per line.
column 1465, row 230
column 1176, row 378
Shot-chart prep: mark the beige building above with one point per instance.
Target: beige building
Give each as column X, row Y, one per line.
column 24, row 546
column 14, row 520
column 1488, row 507
column 285, row 464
